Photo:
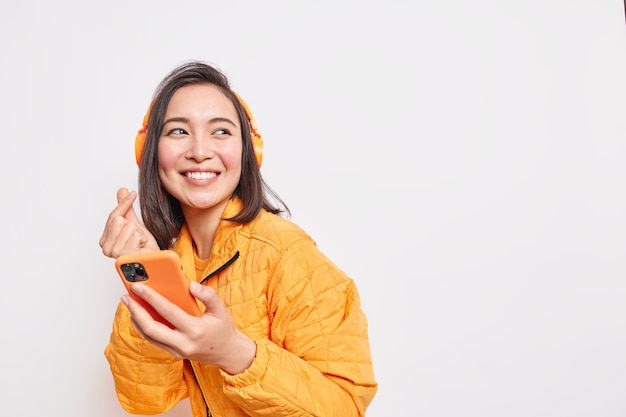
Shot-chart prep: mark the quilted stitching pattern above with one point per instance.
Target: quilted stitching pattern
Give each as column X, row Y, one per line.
column 313, row 356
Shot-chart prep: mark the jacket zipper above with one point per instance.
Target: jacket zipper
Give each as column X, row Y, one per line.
column 193, row 371
column 221, row 268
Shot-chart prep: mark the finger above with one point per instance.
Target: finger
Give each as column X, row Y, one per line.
column 175, row 341
column 122, row 193
column 135, row 309
column 128, row 239
column 154, row 342
column 138, row 314
column 140, row 317
column 209, row 297
column 168, row 310
column 123, row 232
column 125, row 200
column 122, row 236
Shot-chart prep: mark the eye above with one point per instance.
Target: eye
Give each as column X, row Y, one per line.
column 221, row 132
column 176, row 131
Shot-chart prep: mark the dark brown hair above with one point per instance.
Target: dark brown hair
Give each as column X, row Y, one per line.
column 160, row 211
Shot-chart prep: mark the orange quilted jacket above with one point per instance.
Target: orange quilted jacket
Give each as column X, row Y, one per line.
column 313, row 355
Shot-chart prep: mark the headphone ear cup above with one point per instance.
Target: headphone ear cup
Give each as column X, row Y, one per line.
column 257, row 141
column 257, row 145
column 140, row 139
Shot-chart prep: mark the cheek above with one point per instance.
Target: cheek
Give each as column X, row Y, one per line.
column 166, row 157
column 231, row 156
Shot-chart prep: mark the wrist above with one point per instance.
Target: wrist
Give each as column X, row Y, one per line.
column 241, row 355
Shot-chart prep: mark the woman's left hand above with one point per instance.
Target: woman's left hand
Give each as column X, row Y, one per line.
column 210, row 338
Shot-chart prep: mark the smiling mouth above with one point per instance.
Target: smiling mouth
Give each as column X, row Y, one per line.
column 200, row 175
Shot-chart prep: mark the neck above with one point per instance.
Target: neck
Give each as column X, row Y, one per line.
column 202, row 226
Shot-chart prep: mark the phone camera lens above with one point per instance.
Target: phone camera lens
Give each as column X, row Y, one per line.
column 134, row 272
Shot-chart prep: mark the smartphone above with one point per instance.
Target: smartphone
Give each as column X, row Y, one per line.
column 162, row 271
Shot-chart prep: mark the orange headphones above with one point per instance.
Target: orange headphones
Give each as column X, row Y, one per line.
column 257, row 140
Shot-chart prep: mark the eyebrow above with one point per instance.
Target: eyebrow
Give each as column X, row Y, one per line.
column 186, row 120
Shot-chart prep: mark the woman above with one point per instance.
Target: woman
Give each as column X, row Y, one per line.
column 282, row 333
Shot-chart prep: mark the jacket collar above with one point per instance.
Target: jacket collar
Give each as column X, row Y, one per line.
column 224, row 246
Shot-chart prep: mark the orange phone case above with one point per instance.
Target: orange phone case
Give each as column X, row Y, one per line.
column 163, row 272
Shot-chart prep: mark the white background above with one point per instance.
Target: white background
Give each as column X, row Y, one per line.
column 463, row 161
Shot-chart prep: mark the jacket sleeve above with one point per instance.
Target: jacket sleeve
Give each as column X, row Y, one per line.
column 148, row 380
column 318, row 362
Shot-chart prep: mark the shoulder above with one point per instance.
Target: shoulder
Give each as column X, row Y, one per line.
column 291, row 248
column 276, row 231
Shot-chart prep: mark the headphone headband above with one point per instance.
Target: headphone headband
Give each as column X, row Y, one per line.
column 257, row 140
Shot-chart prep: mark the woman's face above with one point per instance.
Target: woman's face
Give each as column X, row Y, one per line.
column 199, row 150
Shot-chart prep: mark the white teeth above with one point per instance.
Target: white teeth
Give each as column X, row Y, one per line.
column 200, row 175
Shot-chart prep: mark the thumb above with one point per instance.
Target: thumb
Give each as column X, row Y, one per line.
column 208, row 296
column 127, row 198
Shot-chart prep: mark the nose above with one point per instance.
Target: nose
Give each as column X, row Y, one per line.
column 200, row 148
